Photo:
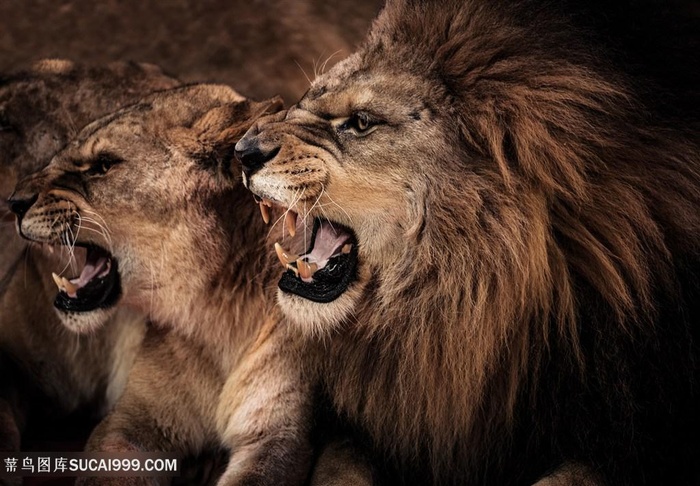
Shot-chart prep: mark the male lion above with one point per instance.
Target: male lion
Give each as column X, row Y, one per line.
column 179, row 241
column 46, row 373
column 498, row 203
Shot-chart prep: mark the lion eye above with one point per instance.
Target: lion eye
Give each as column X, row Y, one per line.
column 102, row 164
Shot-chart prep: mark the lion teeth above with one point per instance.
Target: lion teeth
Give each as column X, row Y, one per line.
column 265, row 212
column 284, row 256
column 293, row 269
column 306, row 269
column 346, row 248
column 290, row 221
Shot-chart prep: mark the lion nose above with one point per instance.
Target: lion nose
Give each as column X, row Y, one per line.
column 20, row 203
column 252, row 155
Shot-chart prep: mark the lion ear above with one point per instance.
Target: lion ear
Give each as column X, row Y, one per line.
column 218, row 130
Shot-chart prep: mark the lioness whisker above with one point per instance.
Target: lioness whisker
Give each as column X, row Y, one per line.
column 102, row 220
column 302, row 70
column 323, row 66
column 103, row 231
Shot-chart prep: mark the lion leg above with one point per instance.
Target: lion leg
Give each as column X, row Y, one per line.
column 571, row 474
column 265, row 411
column 167, row 406
column 341, row 464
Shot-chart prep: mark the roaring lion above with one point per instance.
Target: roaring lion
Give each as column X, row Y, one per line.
column 47, row 373
column 178, row 239
column 495, row 239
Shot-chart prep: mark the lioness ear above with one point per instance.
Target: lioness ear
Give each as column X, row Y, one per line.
column 218, row 130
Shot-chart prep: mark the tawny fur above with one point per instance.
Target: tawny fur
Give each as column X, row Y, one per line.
column 221, row 373
column 48, row 373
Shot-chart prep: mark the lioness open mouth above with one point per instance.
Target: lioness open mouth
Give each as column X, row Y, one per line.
column 328, row 267
column 97, row 286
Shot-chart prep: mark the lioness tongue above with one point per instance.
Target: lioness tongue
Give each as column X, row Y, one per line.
column 95, row 266
column 329, row 241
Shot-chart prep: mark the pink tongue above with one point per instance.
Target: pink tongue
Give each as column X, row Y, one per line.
column 91, row 270
column 328, row 242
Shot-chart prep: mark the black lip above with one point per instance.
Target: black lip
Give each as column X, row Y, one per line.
column 100, row 293
column 330, row 282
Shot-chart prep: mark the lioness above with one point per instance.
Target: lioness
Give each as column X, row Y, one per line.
column 179, row 240
column 46, row 373
column 502, row 240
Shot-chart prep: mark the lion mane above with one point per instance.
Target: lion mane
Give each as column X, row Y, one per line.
column 544, row 307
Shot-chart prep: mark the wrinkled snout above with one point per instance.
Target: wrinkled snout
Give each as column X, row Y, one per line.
column 255, row 149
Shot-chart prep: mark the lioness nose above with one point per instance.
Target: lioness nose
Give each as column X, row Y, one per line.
column 20, row 203
column 252, row 155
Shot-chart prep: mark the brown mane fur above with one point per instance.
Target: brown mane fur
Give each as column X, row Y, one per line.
column 540, row 287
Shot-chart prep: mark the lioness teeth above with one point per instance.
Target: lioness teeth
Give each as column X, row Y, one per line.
column 346, row 248
column 57, row 281
column 284, row 256
column 64, row 284
column 265, row 212
column 290, row 221
column 306, row 270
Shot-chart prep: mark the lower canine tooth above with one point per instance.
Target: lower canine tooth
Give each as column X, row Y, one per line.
column 69, row 286
column 346, row 248
column 306, row 270
column 290, row 221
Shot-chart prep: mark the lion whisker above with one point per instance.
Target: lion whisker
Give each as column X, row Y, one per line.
column 323, row 190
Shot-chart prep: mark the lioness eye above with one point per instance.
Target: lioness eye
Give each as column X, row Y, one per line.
column 362, row 122
column 359, row 122
column 102, row 164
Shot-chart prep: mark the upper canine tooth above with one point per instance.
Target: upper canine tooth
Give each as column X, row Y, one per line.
column 265, row 212
column 290, row 221
column 57, row 281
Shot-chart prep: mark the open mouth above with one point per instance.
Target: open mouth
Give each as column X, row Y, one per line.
column 328, row 267
column 96, row 287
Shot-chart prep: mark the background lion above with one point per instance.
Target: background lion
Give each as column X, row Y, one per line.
column 47, row 373
column 497, row 244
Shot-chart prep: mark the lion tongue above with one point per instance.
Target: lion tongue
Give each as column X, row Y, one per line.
column 328, row 243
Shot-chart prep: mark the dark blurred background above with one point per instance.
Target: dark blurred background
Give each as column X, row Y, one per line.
column 260, row 47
